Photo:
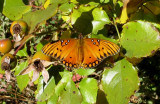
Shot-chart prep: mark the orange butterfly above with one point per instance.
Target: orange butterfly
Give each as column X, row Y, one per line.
column 81, row 53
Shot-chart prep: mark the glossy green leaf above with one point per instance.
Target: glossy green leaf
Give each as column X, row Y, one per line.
column 81, row 19
column 14, row 9
column 140, row 39
column 35, row 17
column 22, row 52
column 84, row 72
column 22, row 81
column 120, row 82
column 20, row 67
column 78, row 12
column 70, row 95
column 100, row 18
column 66, row 8
column 88, row 88
column 47, row 92
column 66, row 76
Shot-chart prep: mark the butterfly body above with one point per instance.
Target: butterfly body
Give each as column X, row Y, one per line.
column 80, row 53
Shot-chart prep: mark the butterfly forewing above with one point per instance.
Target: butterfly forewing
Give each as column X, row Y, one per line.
column 109, row 48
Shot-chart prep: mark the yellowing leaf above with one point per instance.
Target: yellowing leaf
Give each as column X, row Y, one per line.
column 124, row 17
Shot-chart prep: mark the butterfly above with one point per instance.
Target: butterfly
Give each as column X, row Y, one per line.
column 81, row 53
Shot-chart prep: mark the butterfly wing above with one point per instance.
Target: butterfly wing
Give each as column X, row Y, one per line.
column 95, row 50
column 63, row 50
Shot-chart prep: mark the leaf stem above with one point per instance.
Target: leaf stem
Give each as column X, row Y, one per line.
column 116, row 28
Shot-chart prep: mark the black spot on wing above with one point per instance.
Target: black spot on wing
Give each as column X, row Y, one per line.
column 101, row 56
column 105, row 55
column 55, row 55
column 58, row 57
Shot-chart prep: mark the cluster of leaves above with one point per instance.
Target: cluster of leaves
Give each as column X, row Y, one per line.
column 133, row 24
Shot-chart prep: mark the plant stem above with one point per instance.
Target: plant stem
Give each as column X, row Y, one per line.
column 116, row 28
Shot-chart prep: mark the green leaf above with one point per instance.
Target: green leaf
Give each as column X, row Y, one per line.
column 77, row 12
column 33, row 18
column 81, row 19
column 1, row 5
column 60, row 1
column 22, row 81
column 39, row 47
column 22, row 52
column 53, row 99
column 66, row 76
column 101, row 36
column 100, row 18
column 141, row 15
column 39, row 2
column 104, row 1
column 41, row 102
column 1, row 71
column 20, row 67
column 88, row 88
column 14, row 9
column 66, row 8
column 84, row 72
column 140, row 39
column 70, row 95
column 120, row 82
column 40, row 86
column 48, row 91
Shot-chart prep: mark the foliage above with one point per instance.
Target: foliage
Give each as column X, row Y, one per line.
column 133, row 24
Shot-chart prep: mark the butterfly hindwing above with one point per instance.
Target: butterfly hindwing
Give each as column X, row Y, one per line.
column 89, row 59
column 72, row 59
